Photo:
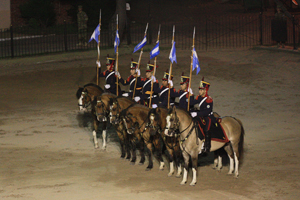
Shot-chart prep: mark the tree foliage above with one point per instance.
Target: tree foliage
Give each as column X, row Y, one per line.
column 41, row 11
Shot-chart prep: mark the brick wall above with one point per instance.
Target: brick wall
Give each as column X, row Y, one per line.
column 60, row 9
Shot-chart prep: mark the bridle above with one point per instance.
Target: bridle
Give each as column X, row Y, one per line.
column 135, row 125
column 104, row 112
column 175, row 127
column 85, row 95
column 157, row 127
column 118, row 110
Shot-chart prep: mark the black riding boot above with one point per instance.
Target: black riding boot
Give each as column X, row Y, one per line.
column 207, row 142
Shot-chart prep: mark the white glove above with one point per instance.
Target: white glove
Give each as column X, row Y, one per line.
column 193, row 114
column 125, row 94
column 191, row 91
column 98, row 64
column 117, row 74
column 138, row 72
column 154, row 105
column 153, row 78
column 171, row 83
column 107, row 86
column 137, row 99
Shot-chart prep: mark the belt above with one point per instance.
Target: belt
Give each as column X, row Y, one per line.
column 152, row 96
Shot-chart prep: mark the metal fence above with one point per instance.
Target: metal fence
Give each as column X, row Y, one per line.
column 212, row 32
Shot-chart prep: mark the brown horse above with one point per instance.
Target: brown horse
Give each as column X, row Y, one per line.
column 102, row 111
column 86, row 97
column 116, row 106
column 136, row 120
column 191, row 145
column 157, row 124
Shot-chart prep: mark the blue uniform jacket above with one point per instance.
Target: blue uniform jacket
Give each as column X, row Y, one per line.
column 131, row 82
column 163, row 93
column 110, row 78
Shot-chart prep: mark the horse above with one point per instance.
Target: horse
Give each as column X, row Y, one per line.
column 136, row 122
column 86, row 96
column 191, row 145
column 116, row 105
column 102, row 111
column 157, row 124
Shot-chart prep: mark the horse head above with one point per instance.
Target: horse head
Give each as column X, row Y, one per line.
column 130, row 122
column 100, row 109
column 114, row 108
column 154, row 121
column 172, row 122
column 84, row 100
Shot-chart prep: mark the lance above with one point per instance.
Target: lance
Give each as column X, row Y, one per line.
column 191, row 69
column 139, row 63
column 170, row 72
column 117, row 56
column 154, row 69
column 98, row 48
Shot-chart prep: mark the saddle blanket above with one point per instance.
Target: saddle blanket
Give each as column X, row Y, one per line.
column 216, row 130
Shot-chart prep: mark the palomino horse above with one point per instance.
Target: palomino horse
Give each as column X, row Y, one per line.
column 157, row 124
column 136, row 121
column 191, row 145
column 116, row 106
column 86, row 97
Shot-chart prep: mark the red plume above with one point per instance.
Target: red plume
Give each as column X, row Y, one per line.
column 131, row 59
column 203, row 78
column 182, row 74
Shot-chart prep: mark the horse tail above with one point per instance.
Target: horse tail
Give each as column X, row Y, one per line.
column 241, row 142
column 79, row 91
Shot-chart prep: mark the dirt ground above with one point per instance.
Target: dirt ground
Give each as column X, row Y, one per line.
column 46, row 153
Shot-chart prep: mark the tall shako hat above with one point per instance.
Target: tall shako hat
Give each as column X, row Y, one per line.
column 184, row 79
column 133, row 64
column 110, row 62
column 204, row 85
column 166, row 76
column 150, row 67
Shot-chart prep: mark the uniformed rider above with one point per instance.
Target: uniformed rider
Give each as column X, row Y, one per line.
column 110, row 76
column 163, row 91
column 205, row 111
column 134, row 74
column 183, row 94
column 146, row 91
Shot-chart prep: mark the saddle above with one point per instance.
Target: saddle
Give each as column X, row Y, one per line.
column 216, row 130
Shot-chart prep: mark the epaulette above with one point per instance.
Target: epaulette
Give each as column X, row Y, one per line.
column 209, row 100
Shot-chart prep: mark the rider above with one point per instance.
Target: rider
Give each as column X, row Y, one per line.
column 183, row 92
column 146, row 91
column 110, row 76
column 163, row 91
column 134, row 72
column 206, row 111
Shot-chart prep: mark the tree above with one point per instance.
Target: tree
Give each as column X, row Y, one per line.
column 41, row 11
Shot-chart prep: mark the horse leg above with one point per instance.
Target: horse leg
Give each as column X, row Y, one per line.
column 171, row 160
column 142, row 152
column 178, row 161
column 186, row 158
column 133, row 159
column 236, row 159
column 194, row 156
column 104, row 135
column 158, row 148
column 150, row 165
column 230, row 154
column 217, row 160
column 96, row 124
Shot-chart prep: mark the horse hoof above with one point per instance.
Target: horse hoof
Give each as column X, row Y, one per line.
column 132, row 163
column 178, row 176
column 161, row 169
column 170, row 174
column 141, row 163
column 128, row 159
column 236, row 176
column 193, row 184
column 182, row 183
column 96, row 147
column 148, row 169
column 122, row 158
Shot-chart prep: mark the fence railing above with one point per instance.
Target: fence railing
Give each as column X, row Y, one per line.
column 212, row 32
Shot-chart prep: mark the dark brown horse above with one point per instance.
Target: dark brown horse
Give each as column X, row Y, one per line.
column 86, row 97
column 102, row 111
column 157, row 124
column 191, row 145
column 136, row 120
column 116, row 106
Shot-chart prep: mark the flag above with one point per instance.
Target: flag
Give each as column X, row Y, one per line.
column 173, row 54
column 195, row 61
column 140, row 45
column 155, row 51
column 95, row 34
column 117, row 41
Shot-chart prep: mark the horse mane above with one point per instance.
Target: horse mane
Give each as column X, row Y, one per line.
column 127, row 98
column 124, row 112
column 94, row 85
column 79, row 91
